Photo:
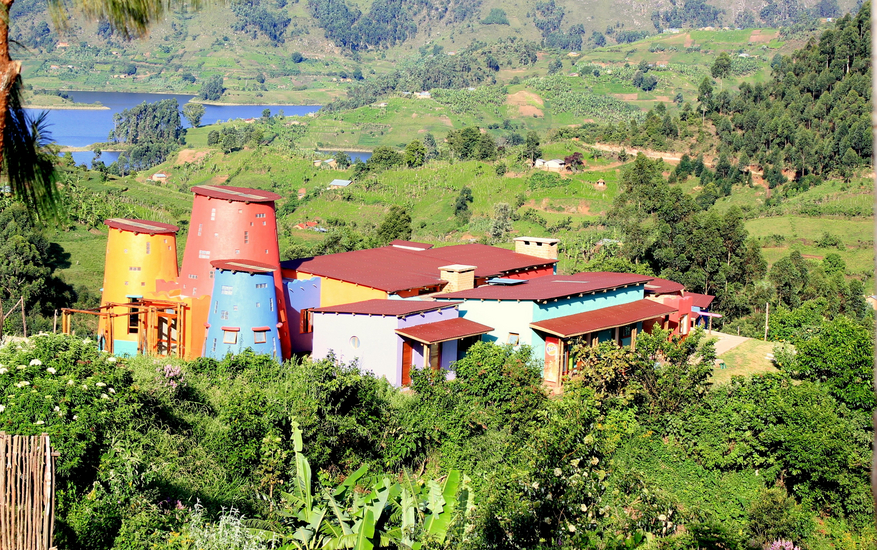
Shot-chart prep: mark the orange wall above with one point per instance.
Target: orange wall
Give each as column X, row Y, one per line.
column 334, row 292
column 133, row 264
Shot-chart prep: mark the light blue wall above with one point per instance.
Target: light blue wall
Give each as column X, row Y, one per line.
column 588, row 302
column 300, row 294
column 512, row 316
column 124, row 348
column 237, row 297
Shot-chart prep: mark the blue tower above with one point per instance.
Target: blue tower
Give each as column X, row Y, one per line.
column 243, row 310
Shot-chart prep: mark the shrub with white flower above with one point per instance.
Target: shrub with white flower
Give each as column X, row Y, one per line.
column 77, row 418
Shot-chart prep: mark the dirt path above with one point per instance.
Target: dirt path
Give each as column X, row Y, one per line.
column 668, row 157
column 727, row 342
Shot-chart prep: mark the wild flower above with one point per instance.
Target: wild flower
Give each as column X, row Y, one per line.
column 22, row 384
column 35, row 362
column 70, row 382
column 100, row 384
column 111, row 390
column 111, row 359
column 50, row 370
column 782, row 545
column 2, row 408
column 104, row 396
column 173, row 376
column 39, row 422
column 558, row 472
column 3, row 370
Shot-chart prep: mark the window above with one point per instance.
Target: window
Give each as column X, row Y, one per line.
column 209, row 274
column 354, row 342
column 214, row 345
column 626, row 331
column 246, row 237
column 237, row 251
column 258, row 304
column 227, row 290
column 271, row 303
column 306, row 321
column 134, row 316
column 223, row 314
column 192, row 276
column 143, row 284
column 514, row 339
column 215, row 306
column 234, row 308
column 260, row 215
column 240, row 211
column 264, row 223
column 204, row 254
column 212, row 214
column 229, row 337
column 216, row 235
column 165, row 241
column 148, row 246
column 266, row 251
column 200, row 225
column 134, row 269
column 260, row 336
column 261, row 285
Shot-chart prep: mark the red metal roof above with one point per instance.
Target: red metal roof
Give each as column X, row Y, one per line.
column 702, row 301
column 442, row 331
column 490, row 261
column 240, row 194
column 600, row 319
column 250, row 266
column 664, row 286
column 394, row 269
column 550, row 287
column 387, row 307
column 141, row 226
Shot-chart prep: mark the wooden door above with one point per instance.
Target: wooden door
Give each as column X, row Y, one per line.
column 435, row 357
column 406, row 363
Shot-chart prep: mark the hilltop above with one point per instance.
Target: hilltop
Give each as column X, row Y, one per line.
column 281, row 52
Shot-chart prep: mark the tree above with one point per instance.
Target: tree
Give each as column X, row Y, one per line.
column 415, row 154
column 193, row 113
column 531, row 146
column 461, row 204
column 574, row 161
column 502, row 220
column 212, row 89
column 384, row 157
column 396, row 225
column 721, row 66
column 342, row 160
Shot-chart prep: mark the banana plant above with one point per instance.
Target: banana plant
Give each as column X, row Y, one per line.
column 390, row 513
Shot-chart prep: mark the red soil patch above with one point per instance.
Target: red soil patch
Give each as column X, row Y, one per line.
column 188, row 155
column 625, row 97
column 219, row 179
column 758, row 36
column 688, row 41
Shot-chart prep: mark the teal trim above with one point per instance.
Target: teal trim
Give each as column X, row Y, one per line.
column 124, row 348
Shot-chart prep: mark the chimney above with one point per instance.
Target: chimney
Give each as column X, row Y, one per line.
column 459, row 277
column 540, row 247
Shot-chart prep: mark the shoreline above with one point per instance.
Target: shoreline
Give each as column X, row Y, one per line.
column 74, row 107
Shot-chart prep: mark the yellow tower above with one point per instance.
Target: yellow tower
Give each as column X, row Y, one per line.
column 139, row 253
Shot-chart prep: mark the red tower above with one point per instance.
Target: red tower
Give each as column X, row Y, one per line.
column 231, row 223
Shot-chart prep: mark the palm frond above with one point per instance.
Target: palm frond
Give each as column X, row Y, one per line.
column 130, row 18
column 27, row 168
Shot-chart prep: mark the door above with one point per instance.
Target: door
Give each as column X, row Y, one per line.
column 406, row 363
column 435, row 357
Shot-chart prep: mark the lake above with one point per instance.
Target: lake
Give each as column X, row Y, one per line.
column 82, row 127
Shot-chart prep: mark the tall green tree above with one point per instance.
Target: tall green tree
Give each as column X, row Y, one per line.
column 396, row 225
column 193, row 113
column 415, row 154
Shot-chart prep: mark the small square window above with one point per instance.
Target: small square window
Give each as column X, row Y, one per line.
column 200, row 225
column 260, row 336
column 514, row 339
column 148, row 247
column 212, row 214
column 223, row 314
column 229, row 337
column 227, row 290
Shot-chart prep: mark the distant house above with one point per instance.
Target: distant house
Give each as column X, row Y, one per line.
column 159, row 176
column 423, row 95
column 553, row 165
column 301, row 193
column 539, row 163
column 339, row 184
column 601, row 184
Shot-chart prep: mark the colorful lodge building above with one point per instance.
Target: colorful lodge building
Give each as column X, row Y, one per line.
column 391, row 309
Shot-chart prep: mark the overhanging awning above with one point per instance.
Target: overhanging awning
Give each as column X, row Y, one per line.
column 602, row 319
column 443, row 331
